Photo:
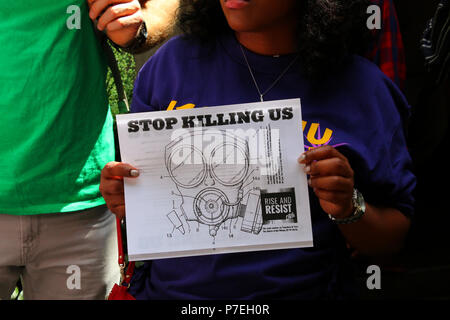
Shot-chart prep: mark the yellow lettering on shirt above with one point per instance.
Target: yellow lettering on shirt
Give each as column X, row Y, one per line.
column 173, row 103
column 311, row 136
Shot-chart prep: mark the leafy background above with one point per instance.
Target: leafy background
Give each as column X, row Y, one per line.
column 127, row 67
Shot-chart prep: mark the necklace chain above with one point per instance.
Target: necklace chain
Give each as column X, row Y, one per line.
column 261, row 95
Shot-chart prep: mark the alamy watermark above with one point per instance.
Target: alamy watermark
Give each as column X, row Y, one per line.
column 221, row 148
column 374, row 280
column 74, row 19
column 374, row 20
column 73, row 282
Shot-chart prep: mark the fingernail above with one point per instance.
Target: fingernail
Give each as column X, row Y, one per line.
column 302, row 157
column 307, row 169
column 309, row 182
column 134, row 173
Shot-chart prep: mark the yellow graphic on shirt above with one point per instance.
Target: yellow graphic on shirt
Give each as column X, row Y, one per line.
column 315, row 137
column 173, row 103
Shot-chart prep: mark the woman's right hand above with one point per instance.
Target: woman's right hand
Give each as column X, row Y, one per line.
column 111, row 185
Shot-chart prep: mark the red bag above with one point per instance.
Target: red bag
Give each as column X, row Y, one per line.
column 120, row 291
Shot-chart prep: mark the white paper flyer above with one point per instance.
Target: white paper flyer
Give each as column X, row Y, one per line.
column 215, row 180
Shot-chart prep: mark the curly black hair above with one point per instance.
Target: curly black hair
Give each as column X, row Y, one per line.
column 328, row 32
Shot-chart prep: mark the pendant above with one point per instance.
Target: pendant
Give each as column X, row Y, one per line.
column 261, row 97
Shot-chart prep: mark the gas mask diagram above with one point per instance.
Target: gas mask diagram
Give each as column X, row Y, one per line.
column 214, row 183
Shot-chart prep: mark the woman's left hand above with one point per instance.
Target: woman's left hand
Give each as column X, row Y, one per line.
column 331, row 178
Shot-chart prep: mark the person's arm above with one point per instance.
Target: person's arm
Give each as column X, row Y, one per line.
column 121, row 20
column 380, row 231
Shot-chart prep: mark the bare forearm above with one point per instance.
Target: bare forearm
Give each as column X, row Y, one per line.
column 160, row 17
column 381, row 231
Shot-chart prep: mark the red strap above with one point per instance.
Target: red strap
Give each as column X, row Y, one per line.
column 125, row 277
column 119, row 241
column 128, row 274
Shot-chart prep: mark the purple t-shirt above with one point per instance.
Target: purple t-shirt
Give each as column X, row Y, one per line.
column 357, row 110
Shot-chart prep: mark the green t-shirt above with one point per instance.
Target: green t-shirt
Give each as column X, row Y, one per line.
column 56, row 126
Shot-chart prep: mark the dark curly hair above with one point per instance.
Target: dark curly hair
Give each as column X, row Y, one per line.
column 329, row 31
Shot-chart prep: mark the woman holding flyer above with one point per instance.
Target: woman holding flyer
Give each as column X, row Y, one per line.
column 240, row 51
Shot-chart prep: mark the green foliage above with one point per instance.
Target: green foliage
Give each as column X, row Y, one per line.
column 127, row 67
column 17, row 294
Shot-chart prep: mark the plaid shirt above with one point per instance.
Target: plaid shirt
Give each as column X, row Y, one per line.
column 387, row 51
